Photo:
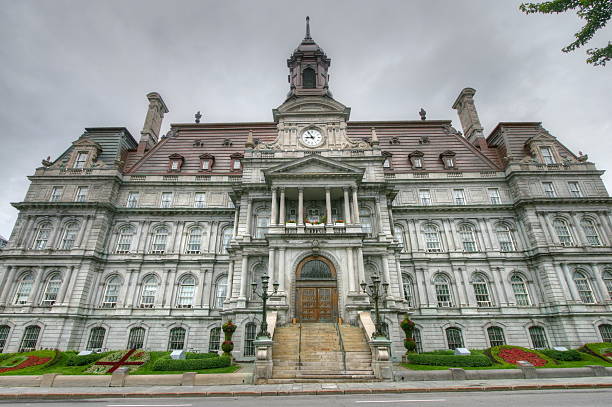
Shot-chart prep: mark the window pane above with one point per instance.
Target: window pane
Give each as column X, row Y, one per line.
column 149, row 291
column 496, row 336
column 51, row 290
column 132, row 201
column 416, row 334
column 221, row 292
column 584, row 288
column 111, row 293
column 186, row 293
column 136, row 338
column 96, row 338
column 30, row 338
column 443, row 292
column 24, row 288
column 177, row 339
column 520, row 291
column 408, row 290
column 605, row 330
column 538, row 337
column 459, row 196
column 4, row 332
column 590, row 231
column 249, row 339
column 494, row 196
column 481, row 291
column 607, row 277
column 215, row 337
column 453, row 336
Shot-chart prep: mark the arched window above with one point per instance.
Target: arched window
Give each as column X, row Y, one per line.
column 24, row 288
column 365, row 217
column 96, row 338
column 432, row 238
column 194, row 240
column 215, row 339
column 416, row 335
column 257, row 273
column 309, row 79
column 262, row 221
column 54, row 282
column 42, row 236
column 408, row 290
column 590, row 231
column 186, row 292
column 124, row 240
column 584, row 287
column 159, row 240
column 454, row 338
column 30, row 338
column 136, row 338
column 607, row 278
column 69, row 235
column 538, row 337
column 227, row 237
column 563, row 232
column 250, row 331
column 468, row 237
column 505, row 238
column 220, row 292
column 318, row 270
column 149, row 291
column 399, row 235
column 481, row 290
column 519, row 287
column 496, row 336
column 111, row 292
column 177, row 339
column 4, row 332
column 443, row 291
column 605, row 330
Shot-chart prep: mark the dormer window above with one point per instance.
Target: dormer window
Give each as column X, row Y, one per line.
column 175, row 162
column 448, row 159
column 81, row 159
column 235, row 163
column 309, row 78
column 416, row 160
column 547, row 155
column 206, row 162
column 387, row 162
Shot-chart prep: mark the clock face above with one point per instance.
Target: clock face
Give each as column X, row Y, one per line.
column 312, row 137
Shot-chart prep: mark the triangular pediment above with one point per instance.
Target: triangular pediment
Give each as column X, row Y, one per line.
column 309, row 105
column 314, row 165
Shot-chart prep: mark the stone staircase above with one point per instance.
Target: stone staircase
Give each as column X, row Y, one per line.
column 320, row 352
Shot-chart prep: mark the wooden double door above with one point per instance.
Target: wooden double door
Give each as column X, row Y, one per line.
column 317, row 303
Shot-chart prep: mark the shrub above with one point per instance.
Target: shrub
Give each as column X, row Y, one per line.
column 565, row 356
column 199, row 356
column 83, row 360
column 186, row 365
column 449, row 360
column 440, row 352
column 600, row 349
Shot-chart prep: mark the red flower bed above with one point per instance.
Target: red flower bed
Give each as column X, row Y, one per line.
column 29, row 362
column 514, row 355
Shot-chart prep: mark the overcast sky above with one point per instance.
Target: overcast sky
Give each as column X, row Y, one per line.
column 66, row 65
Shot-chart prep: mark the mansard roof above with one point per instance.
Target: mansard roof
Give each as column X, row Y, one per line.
column 114, row 143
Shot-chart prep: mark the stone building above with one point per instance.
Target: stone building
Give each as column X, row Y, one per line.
column 154, row 242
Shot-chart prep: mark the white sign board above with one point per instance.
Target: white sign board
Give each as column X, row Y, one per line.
column 462, row 351
column 177, row 354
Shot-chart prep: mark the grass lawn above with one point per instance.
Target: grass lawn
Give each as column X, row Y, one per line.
column 410, row 366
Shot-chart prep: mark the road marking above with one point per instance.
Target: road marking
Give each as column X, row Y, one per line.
column 397, row 401
column 149, row 405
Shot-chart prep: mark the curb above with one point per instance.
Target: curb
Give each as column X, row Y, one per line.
column 322, row 392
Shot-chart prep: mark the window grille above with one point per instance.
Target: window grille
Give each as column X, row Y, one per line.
column 250, row 331
column 194, row 242
column 416, row 335
column 547, row 155
column 459, row 196
column 158, row 244
column 215, row 339
column 262, row 226
column 220, row 292
column 590, row 231
column 177, row 339
column 111, row 292
column 149, row 291
column 605, row 331
column 425, row 197
column 563, row 233
column 468, row 238
column 496, row 336
column 166, row 200
column 574, row 189
column 607, row 278
column 519, row 287
column 200, row 200
column 365, row 217
column 481, row 290
column 399, row 235
column 51, row 290
column 4, row 332
column 454, row 338
column 124, row 241
column 69, row 237
column 80, row 161
column 227, row 237
column 132, row 201
column 538, row 337
column 549, row 189
column 443, row 291
column 81, row 194
column 136, row 338
column 42, row 236
column 56, row 194
column 584, row 287
column 96, row 338
column 505, row 238
column 30, row 338
column 408, row 290
column 494, row 197
column 24, row 288
column 186, row 292
column 432, row 238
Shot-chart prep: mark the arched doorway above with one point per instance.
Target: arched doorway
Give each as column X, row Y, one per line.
column 316, row 290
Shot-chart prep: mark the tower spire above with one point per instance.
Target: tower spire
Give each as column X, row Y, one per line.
column 307, row 37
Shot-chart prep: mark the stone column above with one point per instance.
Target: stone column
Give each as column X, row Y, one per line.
column 347, row 207
column 400, row 281
column 281, row 220
column 386, row 274
column 23, row 238
column 607, row 232
column 582, row 240
column 243, row 277
column 230, row 281
column 502, row 285
column 65, row 282
column 468, row 289
column 38, row 281
column 271, row 259
column 328, row 206
column 236, row 220
column 81, row 233
column 178, row 236
column 7, row 285
column 349, row 269
column 281, row 269
column 601, row 285
column 360, row 266
column 248, row 216
column 54, row 241
column 356, row 206
column 301, row 206
column 274, row 208
column 570, row 282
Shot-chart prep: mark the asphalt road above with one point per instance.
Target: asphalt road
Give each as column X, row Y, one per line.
column 556, row 398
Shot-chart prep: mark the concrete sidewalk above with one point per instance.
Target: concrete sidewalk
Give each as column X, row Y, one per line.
column 22, row 393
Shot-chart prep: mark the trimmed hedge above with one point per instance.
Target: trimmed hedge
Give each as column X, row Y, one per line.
column 565, row 356
column 83, row 360
column 449, row 360
column 194, row 356
column 600, row 349
column 186, row 365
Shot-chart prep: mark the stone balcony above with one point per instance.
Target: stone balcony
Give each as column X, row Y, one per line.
column 315, row 229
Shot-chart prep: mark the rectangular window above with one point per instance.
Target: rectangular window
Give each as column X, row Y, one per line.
column 459, row 196
column 494, row 197
column 174, row 165
column 424, row 197
column 205, row 164
column 166, row 199
column 132, row 200
column 417, row 162
column 574, row 189
column 547, row 155
column 549, row 189
column 200, row 200
column 81, row 194
column 236, row 165
column 56, row 194
column 81, row 160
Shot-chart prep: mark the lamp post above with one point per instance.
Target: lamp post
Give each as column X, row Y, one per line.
column 264, row 297
column 375, row 293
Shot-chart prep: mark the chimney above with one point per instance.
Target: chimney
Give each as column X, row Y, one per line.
column 149, row 136
column 472, row 129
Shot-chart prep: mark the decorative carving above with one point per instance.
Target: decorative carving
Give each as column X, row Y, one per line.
column 582, row 157
column 424, row 140
column 423, row 114
column 198, row 116
column 47, row 162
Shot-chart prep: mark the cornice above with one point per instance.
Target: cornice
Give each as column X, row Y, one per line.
column 62, row 205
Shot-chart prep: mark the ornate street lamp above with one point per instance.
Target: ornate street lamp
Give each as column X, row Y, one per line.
column 264, row 297
column 375, row 293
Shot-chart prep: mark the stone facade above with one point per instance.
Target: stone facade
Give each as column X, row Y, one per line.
column 120, row 243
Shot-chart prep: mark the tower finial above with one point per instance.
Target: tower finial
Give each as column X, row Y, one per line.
column 307, row 28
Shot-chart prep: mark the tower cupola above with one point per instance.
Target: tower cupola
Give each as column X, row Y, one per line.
column 308, row 67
